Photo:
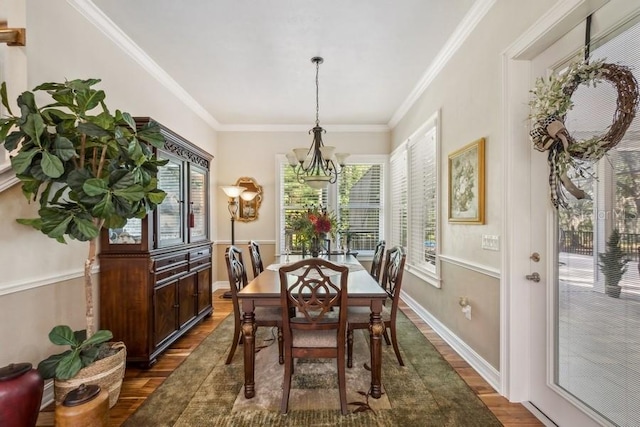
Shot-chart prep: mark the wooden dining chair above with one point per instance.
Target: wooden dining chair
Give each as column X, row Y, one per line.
column 264, row 316
column 256, row 259
column 358, row 317
column 376, row 262
column 312, row 288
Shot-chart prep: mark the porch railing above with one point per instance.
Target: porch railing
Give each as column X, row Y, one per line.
column 581, row 242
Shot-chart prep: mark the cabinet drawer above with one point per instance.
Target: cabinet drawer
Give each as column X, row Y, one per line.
column 166, row 262
column 171, row 272
column 200, row 257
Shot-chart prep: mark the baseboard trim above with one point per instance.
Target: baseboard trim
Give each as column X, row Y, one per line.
column 220, row 285
column 486, row 371
column 539, row 414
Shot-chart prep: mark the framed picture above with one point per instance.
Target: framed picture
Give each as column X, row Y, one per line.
column 466, row 184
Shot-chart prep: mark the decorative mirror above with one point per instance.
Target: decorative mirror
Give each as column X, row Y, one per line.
column 248, row 209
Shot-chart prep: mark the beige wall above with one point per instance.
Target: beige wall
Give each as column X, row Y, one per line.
column 468, row 94
column 62, row 44
column 254, row 154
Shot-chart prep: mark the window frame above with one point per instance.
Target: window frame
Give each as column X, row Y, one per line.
column 415, row 260
column 332, row 194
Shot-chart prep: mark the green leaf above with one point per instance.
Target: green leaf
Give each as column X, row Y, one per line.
column 156, row 196
column 34, row 127
column 5, row 99
column 63, row 148
column 32, row 222
column 86, row 227
column 132, row 193
column 22, row 160
column 129, row 120
column 104, row 208
column 99, row 337
column 69, row 366
column 47, row 367
column 151, row 134
column 13, row 139
column 95, row 187
column 55, row 226
column 51, row 165
column 89, row 99
column 93, row 129
column 89, row 355
column 27, row 103
column 63, row 335
column 5, row 127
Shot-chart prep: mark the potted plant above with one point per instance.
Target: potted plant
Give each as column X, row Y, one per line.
column 613, row 264
column 87, row 171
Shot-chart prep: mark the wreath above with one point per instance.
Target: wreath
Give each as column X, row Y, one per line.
column 550, row 103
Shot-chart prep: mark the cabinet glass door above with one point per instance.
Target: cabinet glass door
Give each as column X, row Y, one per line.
column 170, row 213
column 197, row 203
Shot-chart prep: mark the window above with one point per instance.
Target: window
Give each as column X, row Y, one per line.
column 414, row 198
column 357, row 200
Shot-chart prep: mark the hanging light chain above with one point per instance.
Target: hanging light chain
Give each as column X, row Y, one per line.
column 318, row 60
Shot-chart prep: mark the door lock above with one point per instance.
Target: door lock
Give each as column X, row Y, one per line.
column 535, row 257
column 534, row 277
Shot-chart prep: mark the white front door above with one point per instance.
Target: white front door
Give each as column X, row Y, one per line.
column 571, row 387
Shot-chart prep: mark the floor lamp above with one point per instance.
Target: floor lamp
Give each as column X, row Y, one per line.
column 233, row 192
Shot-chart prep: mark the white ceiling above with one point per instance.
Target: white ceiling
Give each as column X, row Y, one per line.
column 247, row 62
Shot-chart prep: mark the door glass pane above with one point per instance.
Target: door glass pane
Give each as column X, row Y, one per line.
column 170, row 212
column 598, row 326
column 197, row 204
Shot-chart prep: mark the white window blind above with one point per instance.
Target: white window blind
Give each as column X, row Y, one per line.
column 398, row 199
column 414, row 200
column 422, row 190
column 357, row 199
column 360, row 204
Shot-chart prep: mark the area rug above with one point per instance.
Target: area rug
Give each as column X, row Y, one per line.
column 203, row 391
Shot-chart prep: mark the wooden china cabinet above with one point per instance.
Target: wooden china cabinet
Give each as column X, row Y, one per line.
column 155, row 273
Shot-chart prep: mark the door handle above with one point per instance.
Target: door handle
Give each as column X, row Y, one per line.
column 534, row 277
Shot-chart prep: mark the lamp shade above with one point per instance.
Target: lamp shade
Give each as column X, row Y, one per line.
column 317, row 182
column 232, row 190
column 248, row 195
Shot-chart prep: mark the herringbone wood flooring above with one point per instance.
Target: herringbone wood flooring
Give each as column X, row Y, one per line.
column 140, row 383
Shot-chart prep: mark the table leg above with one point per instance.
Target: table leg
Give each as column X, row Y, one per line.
column 248, row 332
column 376, row 330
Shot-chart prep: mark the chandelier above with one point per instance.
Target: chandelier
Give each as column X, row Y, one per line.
column 318, row 166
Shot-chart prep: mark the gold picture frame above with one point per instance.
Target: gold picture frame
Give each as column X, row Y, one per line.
column 248, row 209
column 466, row 184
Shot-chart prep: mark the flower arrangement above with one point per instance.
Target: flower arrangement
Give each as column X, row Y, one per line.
column 314, row 223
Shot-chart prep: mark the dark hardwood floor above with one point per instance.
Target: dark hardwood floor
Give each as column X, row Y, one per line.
column 140, row 383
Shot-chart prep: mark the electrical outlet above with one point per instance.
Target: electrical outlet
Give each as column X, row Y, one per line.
column 491, row 242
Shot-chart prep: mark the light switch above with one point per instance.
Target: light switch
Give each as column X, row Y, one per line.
column 491, row 242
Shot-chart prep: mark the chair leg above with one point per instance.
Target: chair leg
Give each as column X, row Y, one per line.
column 386, row 337
column 286, row 384
column 280, row 347
column 237, row 337
column 342, row 384
column 349, row 348
column 394, row 340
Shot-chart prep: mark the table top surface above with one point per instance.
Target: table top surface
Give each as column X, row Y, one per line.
column 360, row 283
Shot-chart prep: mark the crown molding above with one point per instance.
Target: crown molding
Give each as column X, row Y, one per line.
column 302, row 128
column 95, row 16
column 462, row 31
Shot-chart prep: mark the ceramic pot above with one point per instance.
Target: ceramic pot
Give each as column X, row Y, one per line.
column 21, row 390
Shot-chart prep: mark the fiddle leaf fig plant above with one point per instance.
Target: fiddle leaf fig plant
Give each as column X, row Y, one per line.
column 83, row 352
column 86, row 167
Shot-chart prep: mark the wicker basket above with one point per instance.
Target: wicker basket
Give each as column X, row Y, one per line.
column 107, row 373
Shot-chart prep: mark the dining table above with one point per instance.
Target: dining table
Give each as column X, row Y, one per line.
column 264, row 290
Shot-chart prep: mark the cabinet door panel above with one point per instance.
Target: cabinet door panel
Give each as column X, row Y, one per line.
column 187, row 298
column 204, row 289
column 198, row 226
column 164, row 311
column 170, row 213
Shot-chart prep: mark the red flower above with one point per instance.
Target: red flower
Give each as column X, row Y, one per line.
column 322, row 225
